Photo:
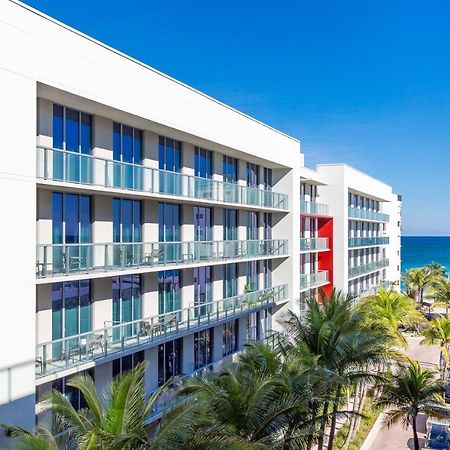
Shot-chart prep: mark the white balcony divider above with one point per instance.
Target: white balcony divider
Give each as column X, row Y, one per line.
column 312, row 280
column 313, row 244
column 62, row 354
column 357, row 213
column 60, row 165
column 367, row 268
column 65, row 259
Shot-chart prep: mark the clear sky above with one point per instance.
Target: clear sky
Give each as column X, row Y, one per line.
column 361, row 82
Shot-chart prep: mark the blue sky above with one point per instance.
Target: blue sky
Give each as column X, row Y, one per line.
column 361, row 82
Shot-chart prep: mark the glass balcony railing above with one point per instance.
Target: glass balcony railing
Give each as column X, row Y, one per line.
column 65, row 259
column 313, row 244
column 62, row 354
column 317, row 209
column 367, row 241
column 367, row 268
column 357, row 213
column 60, row 165
column 313, row 280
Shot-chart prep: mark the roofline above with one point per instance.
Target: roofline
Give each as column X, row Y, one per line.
column 345, row 165
column 146, row 66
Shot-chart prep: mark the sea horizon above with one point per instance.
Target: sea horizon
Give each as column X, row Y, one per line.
column 417, row 251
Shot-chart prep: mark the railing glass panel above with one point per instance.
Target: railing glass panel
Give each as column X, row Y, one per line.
column 319, row 209
column 60, row 259
column 357, row 213
column 367, row 241
column 311, row 280
column 61, row 165
column 313, row 244
column 72, row 351
column 366, row 268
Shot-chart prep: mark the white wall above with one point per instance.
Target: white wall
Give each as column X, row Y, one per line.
column 17, row 241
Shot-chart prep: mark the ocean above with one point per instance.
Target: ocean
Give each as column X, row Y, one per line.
column 420, row 250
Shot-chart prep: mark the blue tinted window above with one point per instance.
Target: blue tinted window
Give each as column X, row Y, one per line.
column 126, row 220
column 203, row 163
column 58, row 130
column 72, row 130
column 57, row 217
column 71, row 219
column 169, row 154
column 117, row 146
column 169, row 222
column 86, row 133
column 127, row 144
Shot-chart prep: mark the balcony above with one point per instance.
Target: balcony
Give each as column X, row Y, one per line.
column 63, row 354
column 70, row 167
column 313, row 280
column 367, row 241
column 313, row 208
column 363, row 214
column 313, row 245
column 367, row 268
column 69, row 259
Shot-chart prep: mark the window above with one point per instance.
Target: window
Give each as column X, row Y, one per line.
column 72, row 131
column 253, row 333
column 127, row 148
column 230, row 169
column 229, row 280
column 202, row 289
column 72, row 394
column 230, row 339
column 252, row 225
column 203, row 348
column 71, row 309
column 127, row 229
column 203, row 163
column 169, row 291
column 125, row 364
column 267, row 271
column 252, row 276
column 230, row 224
column 267, row 221
column 252, row 175
column 170, row 163
column 169, row 360
column 267, row 179
column 127, row 305
column 127, row 220
column 203, row 223
column 169, row 222
column 71, row 224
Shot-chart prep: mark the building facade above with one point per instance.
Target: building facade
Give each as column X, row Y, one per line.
column 156, row 224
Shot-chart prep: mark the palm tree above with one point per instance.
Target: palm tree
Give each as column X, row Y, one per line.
column 391, row 309
column 439, row 333
column 441, row 293
column 117, row 422
column 411, row 391
column 345, row 346
column 437, row 269
column 254, row 405
column 416, row 280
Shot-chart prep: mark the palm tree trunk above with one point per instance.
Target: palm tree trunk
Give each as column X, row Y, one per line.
column 416, row 438
column 352, row 420
column 322, row 427
column 334, row 418
column 313, row 406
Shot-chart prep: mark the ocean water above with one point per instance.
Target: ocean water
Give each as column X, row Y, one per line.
column 420, row 250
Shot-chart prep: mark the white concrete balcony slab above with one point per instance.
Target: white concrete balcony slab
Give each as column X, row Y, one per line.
column 313, row 280
column 312, row 245
column 60, row 166
column 72, row 354
column 364, row 269
column 62, row 260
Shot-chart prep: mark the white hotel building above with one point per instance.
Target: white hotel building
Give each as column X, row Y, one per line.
column 155, row 222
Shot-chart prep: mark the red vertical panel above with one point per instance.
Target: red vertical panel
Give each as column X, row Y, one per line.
column 326, row 258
